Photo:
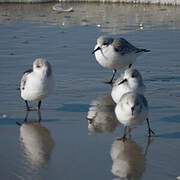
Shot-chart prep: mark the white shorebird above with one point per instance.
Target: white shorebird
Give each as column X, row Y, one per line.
column 37, row 83
column 116, row 53
column 130, row 81
column 131, row 110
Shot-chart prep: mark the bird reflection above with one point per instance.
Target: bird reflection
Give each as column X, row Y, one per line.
column 37, row 143
column 128, row 159
column 101, row 116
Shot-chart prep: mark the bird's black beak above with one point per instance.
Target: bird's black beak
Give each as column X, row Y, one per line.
column 90, row 120
column 19, row 124
column 98, row 48
column 132, row 110
column 124, row 80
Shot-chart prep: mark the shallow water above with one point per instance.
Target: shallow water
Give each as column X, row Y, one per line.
column 69, row 150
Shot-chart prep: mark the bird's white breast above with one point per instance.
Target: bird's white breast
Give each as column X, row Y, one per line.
column 124, row 115
column 37, row 87
column 118, row 91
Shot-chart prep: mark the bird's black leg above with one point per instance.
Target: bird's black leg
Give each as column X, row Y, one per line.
column 25, row 119
column 39, row 115
column 150, row 131
column 111, row 81
column 38, row 111
column 124, row 136
column 39, row 105
column 27, row 106
column 114, row 72
column 125, row 132
column 129, row 132
column 130, row 65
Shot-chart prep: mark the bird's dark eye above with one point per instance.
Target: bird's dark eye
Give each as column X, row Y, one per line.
column 134, row 75
column 38, row 66
column 105, row 44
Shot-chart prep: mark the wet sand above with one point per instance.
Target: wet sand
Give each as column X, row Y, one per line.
column 69, row 151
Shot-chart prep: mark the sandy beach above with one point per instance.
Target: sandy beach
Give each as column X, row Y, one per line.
column 70, row 150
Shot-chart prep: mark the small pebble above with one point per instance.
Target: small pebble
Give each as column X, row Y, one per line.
column 163, row 9
column 4, row 116
column 42, row 15
column 84, row 20
column 24, row 42
column 141, row 26
column 67, row 16
column 11, row 53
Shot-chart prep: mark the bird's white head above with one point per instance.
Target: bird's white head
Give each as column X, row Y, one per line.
column 133, row 102
column 102, row 42
column 133, row 74
column 133, row 77
column 42, row 66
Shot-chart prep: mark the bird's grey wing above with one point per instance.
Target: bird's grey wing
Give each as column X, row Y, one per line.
column 143, row 86
column 28, row 71
column 123, row 46
column 24, row 78
column 144, row 101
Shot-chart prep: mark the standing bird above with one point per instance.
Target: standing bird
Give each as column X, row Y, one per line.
column 37, row 83
column 130, row 81
column 131, row 110
column 116, row 53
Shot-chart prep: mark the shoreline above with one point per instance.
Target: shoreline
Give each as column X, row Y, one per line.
column 129, row 18
column 145, row 2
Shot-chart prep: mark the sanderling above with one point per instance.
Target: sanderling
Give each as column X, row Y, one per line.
column 130, row 81
column 37, row 83
column 116, row 53
column 131, row 110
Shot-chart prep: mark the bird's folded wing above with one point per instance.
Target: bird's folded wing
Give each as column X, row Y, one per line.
column 23, row 80
column 123, row 46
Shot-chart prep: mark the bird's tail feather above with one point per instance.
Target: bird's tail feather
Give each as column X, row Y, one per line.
column 143, row 50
